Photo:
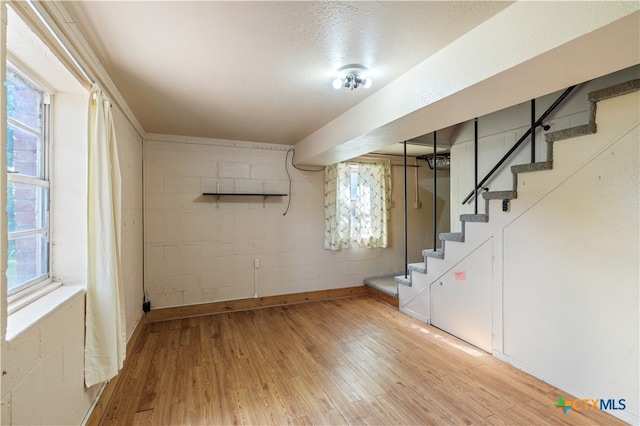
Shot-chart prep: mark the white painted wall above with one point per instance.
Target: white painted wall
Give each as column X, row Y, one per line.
column 130, row 156
column 571, row 269
column 424, row 227
column 43, row 359
column 201, row 251
column 4, row 401
column 69, row 203
column 565, row 267
column 470, row 317
column 44, row 383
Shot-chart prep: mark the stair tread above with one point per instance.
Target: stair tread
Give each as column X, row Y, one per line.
column 499, row 195
column 438, row 254
column 402, row 280
column 385, row 284
column 571, row 132
column 418, row 267
column 452, row 236
column 474, row 217
column 532, row 167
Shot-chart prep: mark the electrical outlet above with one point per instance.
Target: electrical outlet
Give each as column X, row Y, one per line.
column 146, row 306
column 256, row 263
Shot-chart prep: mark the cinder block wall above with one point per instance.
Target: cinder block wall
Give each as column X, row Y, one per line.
column 199, row 249
column 44, row 364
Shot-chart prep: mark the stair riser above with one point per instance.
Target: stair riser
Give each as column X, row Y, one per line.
column 551, row 137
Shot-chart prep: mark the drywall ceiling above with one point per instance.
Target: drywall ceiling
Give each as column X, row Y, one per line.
column 528, row 50
column 261, row 71
column 422, row 145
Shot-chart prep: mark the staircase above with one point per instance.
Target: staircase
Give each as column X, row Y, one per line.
column 424, row 295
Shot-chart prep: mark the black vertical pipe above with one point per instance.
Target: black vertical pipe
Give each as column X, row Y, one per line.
column 406, row 223
column 475, row 164
column 533, row 130
column 435, row 193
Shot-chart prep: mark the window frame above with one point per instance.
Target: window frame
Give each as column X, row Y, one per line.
column 41, row 283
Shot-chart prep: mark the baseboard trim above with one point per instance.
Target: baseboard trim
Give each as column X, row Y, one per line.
column 96, row 416
column 564, row 386
column 178, row 312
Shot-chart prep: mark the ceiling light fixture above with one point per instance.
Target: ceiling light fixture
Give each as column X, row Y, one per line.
column 352, row 76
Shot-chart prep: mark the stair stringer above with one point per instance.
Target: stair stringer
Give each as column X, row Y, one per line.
column 579, row 146
column 415, row 295
column 584, row 274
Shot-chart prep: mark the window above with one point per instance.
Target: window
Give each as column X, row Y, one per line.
column 353, row 206
column 357, row 201
column 28, row 113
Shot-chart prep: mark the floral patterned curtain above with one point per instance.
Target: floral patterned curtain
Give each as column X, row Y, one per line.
column 337, row 206
column 362, row 223
column 369, row 227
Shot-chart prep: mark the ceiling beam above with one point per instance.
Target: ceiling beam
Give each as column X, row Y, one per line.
column 528, row 50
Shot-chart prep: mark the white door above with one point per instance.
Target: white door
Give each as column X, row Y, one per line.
column 461, row 301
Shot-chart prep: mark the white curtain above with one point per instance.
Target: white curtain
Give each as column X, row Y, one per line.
column 359, row 222
column 105, row 338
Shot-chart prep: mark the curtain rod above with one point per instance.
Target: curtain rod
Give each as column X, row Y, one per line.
column 87, row 69
column 64, row 47
column 376, row 157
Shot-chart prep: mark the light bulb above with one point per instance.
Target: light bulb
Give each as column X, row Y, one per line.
column 337, row 83
column 367, row 83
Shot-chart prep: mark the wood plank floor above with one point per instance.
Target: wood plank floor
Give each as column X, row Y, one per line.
column 346, row 361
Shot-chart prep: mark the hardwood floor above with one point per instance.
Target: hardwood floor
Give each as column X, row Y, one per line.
column 345, row 361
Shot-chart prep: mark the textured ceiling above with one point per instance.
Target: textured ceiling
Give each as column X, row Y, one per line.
column 260, row 71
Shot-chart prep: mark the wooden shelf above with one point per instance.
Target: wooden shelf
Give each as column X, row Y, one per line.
column 244, row 194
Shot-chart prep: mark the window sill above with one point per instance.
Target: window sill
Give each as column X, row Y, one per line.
column 21, row 299
column 25, row 317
